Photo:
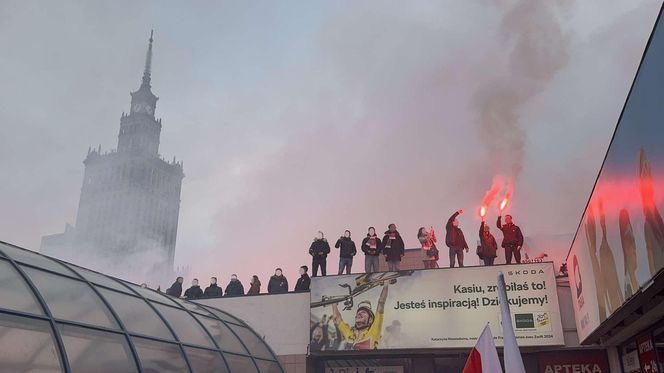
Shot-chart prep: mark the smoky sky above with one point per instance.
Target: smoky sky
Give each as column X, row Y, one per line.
column 293, row 117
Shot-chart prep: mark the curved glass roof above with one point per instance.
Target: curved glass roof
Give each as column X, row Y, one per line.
column 58, row 317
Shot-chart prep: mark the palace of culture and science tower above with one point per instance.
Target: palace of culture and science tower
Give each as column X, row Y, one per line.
column 127, row 217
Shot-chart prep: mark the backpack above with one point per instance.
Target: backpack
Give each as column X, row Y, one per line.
column 480, row 251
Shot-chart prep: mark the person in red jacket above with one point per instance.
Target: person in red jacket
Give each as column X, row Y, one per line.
column 488, row 245
column 512, row 239
column 428, row 240
column 455, row 240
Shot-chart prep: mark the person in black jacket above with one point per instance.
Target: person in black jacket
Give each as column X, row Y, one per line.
column 278, row 283
column 318, row 251
column 176, row 289
column 488, row 245
column 347, row 251
column 393, row 248
column 234, row 287
column 371, row 247
column 304, row 282
column 512, row 239
column 455, row 240
column 194, row 292
column 254, row 286
column 213, row 291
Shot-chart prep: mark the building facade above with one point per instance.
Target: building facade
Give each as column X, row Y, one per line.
column 616, row 262
column 130, row 199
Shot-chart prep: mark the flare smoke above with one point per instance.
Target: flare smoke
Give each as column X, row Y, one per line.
column 537, row 49
column 496, row 186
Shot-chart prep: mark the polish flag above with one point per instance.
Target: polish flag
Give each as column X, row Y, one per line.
column 483, row 357
column 511, row 353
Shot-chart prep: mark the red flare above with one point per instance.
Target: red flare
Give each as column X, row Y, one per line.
column 483, row 211
column 503, row 204
column 496, row 186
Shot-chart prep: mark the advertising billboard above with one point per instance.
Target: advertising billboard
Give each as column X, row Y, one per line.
column 438, row 308
column 619, row 246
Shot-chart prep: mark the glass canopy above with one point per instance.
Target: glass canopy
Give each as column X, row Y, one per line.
column 57, row 317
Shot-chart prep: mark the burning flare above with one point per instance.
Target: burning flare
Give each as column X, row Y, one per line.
column 503, row 204
column 483, row 211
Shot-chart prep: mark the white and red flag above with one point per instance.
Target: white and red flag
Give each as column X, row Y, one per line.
column 483, row 357
column 511, row 353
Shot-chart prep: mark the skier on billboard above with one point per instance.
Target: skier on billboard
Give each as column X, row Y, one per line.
column 366, row 332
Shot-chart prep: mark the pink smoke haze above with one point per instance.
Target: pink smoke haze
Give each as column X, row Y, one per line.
column 297, row 117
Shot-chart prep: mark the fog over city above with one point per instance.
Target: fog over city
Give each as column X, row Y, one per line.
column 294, row 117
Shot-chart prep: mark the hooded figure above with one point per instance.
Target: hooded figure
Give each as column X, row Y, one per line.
column 176, row 289
column 213, row 291
column 278, row 283
column 318, row 251
column 234, row 287
column 393, row 248
column 347, row 251
column 255, row 286
column 194, row 292
column 371, row 247
column 304, row 281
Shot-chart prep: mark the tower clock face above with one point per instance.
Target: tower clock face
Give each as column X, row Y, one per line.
column 142, row 108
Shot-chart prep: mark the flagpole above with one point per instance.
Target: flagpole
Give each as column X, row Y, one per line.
column 511, row 353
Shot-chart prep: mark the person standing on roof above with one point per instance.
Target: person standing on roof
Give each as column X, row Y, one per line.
column 371, row 247
column 234, row 287
column 455, row 240
column 393, row 248
column 318, row 251
column 213, row 291
column 347, row 251
column 512, row 239
column 194, row 292
column 304, row 282
column 488, row 245
column 430, row 253
column 278, row 283
column 176, row 289
column 255, row 286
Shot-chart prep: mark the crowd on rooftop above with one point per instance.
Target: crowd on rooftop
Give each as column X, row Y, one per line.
column 390, row 246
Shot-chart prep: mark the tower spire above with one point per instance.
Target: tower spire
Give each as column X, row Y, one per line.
column 148, row 63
